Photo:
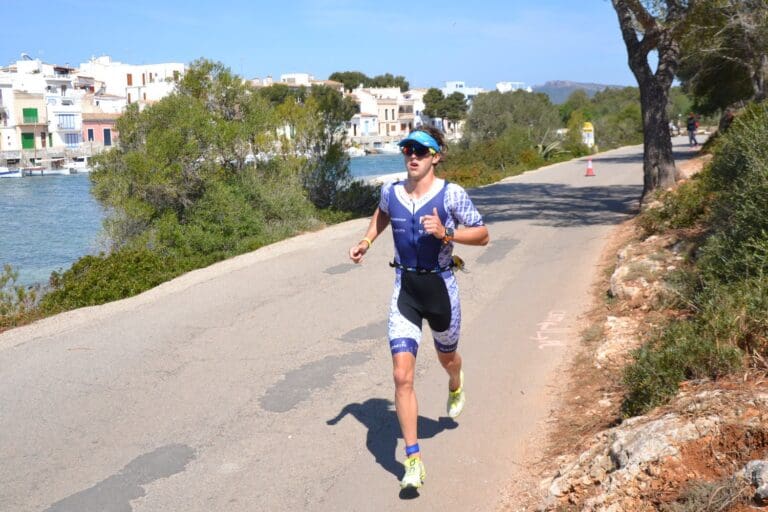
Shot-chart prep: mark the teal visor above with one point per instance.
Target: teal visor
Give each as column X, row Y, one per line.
column 422, row 138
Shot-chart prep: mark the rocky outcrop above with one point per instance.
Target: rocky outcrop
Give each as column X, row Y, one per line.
column 632, row 466
column 756, row 474
column 620, row 338
column 641, row 266
column 710, row 433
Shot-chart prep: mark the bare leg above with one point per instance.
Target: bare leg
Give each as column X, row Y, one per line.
column 404, row 368
column 451, row 361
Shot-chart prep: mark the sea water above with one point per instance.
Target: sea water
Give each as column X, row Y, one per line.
column 49, row 222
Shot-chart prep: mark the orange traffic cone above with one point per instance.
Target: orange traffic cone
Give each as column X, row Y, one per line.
column 590, row 169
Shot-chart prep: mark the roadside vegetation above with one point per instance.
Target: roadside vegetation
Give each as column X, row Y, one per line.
column 509, row 133
column 220, row 168
column 205, row 174
column 722, row 295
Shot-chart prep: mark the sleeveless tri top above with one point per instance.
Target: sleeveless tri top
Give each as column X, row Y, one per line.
column 415, row 247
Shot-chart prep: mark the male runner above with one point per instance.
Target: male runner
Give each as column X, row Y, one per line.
column 425, row 212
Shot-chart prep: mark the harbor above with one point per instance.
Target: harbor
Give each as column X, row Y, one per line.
column 51, row 220
column 49, row 167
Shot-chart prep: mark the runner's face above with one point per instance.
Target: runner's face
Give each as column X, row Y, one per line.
column 419, row 166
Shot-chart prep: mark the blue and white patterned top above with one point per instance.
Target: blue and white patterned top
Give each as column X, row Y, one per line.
column 413, row 246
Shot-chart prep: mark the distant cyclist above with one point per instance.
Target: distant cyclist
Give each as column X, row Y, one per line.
column 425, row 213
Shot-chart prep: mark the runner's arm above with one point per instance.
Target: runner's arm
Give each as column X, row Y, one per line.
column 378, row 224
column 476, row 235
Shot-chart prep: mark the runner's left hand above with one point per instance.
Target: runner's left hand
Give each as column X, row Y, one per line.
column 433, row 225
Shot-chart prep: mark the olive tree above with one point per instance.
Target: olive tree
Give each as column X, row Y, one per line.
column 654, row 27
column 725, row 53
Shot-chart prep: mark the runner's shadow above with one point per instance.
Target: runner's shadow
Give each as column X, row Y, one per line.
column 379, row 417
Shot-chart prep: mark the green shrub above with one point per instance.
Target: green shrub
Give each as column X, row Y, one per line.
column 358, row 198
column 326, row 175
column 739, row 247
column 683, row 351
column 17, row 303
column 679, row 208
column 735, row 314
column 94, row 280
column 730, row 321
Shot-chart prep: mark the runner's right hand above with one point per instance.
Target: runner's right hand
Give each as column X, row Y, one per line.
column 357, row 252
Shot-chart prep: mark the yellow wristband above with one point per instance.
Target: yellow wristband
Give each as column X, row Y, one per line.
column 368, row 241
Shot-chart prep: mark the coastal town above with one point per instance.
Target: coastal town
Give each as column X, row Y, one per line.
column 53, row 118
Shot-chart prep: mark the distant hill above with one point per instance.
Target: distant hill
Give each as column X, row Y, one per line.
column 559, row 90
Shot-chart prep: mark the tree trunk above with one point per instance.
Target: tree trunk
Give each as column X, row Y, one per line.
column 658, row 162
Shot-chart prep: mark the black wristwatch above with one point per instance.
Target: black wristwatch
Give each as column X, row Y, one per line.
column 448, row 238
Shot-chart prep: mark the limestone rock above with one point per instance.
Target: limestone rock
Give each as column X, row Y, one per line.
column 620, row 338
column 756, row 473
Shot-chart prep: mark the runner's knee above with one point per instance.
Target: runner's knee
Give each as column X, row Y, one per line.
column 403, row 376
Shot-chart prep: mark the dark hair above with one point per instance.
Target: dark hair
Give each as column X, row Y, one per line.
column 434, row 133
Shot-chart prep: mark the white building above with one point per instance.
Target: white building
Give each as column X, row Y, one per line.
column 363, row 125
column 513, row 86
column 145, row 83
column 386, row 115
column 262, row 82
column 305, row 80
column 457, row 86
column 297, row 79
column 417, row 97
column 8, row 138
column 42, row 107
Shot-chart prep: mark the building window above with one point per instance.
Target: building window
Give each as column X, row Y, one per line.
column 50, row 139
column 129, row 98
column 107, row 137
column 393, row 114
column 27, row 141
column 67, row 121
column 90, row 134
column 72, row 140
column 42, row 139
column 29, row 115
column 129, row 79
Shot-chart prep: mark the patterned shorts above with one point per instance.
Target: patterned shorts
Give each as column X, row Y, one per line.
column 430, row 297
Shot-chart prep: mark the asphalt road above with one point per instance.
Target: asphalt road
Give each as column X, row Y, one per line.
column 264, row 382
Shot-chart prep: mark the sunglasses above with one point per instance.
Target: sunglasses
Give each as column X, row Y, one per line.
column 417, row 149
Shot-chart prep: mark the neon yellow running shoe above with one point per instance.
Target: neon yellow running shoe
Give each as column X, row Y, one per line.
column 457, row 399
column 414, row 473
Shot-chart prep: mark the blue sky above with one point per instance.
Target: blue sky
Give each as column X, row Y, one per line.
column 481, row 42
